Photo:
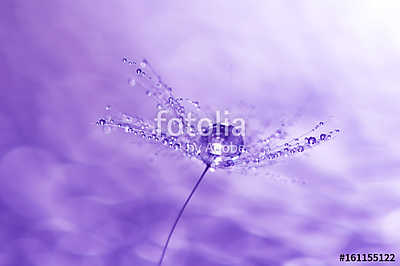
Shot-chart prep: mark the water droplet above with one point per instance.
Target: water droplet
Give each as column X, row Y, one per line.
column 138, row 71
column 311, row 140
column 125, row 60
column 177, row 146
column 159, row 106
column 229, row 163
column 300, row 149
column 101, row 122
column 108, row 107
column 322, row 137
column 143, row 64
column 180, row 110
column 148, row 93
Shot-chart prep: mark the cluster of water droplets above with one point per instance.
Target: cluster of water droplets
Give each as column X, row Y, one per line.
column 277, row 146
column 259, row 153
column 145, row 77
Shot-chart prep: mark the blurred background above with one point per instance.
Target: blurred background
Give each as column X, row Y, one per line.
column 72, row 195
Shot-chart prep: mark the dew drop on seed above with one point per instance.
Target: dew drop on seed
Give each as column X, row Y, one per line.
column 196, row 104
column 229, row 163
column 177, row 146
column 312, row 140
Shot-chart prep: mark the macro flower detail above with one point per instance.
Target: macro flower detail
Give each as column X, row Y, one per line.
column 220, row 144
column 206, row 143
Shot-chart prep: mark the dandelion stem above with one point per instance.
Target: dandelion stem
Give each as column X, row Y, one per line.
column 180, row 214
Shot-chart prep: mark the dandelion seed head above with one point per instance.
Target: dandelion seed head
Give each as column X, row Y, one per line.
column 224, row 147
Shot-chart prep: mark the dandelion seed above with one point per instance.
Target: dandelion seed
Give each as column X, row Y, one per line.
column 218, row 145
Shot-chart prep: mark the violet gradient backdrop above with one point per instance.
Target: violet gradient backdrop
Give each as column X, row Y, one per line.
column 71, row 195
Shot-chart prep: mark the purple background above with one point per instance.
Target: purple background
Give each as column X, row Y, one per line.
column 72, row 195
